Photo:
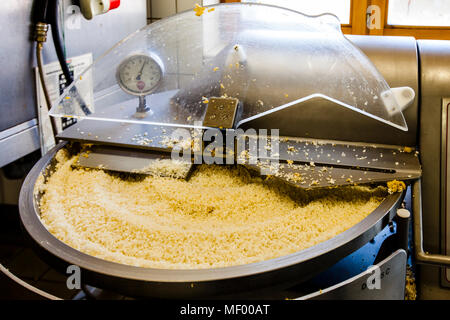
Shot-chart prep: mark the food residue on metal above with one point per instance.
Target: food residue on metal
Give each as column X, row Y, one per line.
column 395, row 186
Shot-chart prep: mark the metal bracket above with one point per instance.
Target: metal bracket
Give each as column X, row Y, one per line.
column 221, row 113
column 400, row 99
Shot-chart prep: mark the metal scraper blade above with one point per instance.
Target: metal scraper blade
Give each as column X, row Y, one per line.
column 308, row 163
column 133, row 161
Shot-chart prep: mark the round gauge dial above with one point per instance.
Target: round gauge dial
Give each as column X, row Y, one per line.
column 139, row 74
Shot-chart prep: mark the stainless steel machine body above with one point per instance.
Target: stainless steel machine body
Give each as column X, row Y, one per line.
column 279, row 273
column 18, row 123
column 434, row 74
column 420, row 65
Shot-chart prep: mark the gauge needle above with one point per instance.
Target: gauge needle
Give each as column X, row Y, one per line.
column 140, row 72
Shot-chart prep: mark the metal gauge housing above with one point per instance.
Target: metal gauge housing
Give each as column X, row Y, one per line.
column 139, row 74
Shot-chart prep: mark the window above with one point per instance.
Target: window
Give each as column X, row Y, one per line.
column 419, row 13
column 422, row 19
column 340, row 8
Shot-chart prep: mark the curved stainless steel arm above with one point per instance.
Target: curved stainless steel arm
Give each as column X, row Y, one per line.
column 26, row 285
column 422, row 256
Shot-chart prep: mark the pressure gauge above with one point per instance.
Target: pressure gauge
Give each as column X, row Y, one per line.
column 139, row 74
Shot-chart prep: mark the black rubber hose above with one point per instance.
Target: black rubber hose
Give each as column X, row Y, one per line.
column 52, row 14
column 39, row 11
column 52, row 17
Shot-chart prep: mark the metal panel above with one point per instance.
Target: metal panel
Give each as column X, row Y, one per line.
column 17, row 129
column 17, row 90
column 16, row 84
column 102, row 32
column 445, row 183
column 434, row 77
column 392, row 283
column 446, row 190
column 19, row 144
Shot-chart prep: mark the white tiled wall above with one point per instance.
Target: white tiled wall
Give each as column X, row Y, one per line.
column 158, row 9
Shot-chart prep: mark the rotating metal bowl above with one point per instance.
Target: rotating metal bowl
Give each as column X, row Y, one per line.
column 279, row 273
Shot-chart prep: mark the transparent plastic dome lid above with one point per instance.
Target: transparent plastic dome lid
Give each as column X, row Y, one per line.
column 265, row 56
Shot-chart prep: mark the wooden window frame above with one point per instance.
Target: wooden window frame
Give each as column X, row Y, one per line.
column 419, row 32
column 358, row 23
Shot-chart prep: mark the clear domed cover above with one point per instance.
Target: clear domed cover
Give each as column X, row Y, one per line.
column 264, row 56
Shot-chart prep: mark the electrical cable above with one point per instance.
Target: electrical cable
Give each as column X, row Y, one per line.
column 39, row 11
column 53, row 18
column 45, row 13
